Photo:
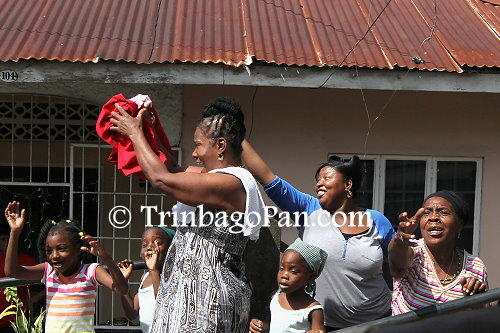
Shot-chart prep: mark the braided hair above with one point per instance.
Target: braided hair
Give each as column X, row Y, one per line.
column 351, row 170
column 222, row 118
column 72, row 230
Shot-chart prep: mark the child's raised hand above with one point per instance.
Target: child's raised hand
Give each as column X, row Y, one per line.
column 152, row 257
column 95, row 249
column 14, row 217
column 255, row 326
column 126, row 267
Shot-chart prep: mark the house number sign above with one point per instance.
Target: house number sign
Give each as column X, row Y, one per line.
column 8, row 76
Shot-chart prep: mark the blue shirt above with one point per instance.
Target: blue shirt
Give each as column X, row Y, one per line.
column 351, row 287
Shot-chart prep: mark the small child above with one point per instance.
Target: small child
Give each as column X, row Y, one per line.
column 155, row 243
column 71, row 286
column 292, row 308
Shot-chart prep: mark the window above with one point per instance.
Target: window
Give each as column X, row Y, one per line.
column 395, row 184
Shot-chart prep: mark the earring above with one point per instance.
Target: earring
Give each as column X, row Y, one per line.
column 349, row 194
column 220, row 157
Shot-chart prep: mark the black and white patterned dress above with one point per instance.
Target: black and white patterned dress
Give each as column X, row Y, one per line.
column 203, row 286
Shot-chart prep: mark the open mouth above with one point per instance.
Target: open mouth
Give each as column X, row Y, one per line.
column 435, row 231
column 320, row 193
column 57, row 264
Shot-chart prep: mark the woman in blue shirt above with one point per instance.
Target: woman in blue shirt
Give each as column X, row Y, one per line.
column 352, row 288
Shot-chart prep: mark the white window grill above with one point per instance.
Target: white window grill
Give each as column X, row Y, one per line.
column 53, row 159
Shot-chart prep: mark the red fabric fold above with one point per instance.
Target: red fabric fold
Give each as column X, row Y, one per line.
column 123, row 154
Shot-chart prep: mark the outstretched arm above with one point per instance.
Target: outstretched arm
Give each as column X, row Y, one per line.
column 400, row 247
column 256, row 165
column 130, row 306
column 16, row 219
column 114, row 280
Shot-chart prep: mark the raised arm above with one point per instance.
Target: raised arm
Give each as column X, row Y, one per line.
column 152, row 264
column 114, row 280
column 16, row 219
column 130, row 305
column 400, row 247
column 174, row 167
column 256, row 165
column 215, row 190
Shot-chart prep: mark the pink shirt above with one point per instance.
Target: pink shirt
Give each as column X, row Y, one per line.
column 70, row 306
column 421, row 287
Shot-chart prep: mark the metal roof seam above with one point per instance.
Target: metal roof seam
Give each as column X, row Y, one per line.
column 486, row 23
column 366, row 16
column 155, row 31
column 248, row 57
column 290, row 32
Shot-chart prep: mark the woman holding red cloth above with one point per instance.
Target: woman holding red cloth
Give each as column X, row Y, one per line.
column 203, row 286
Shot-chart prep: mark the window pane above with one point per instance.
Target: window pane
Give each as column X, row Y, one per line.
column 460, row 177
column 404, row 187
column 364, row 197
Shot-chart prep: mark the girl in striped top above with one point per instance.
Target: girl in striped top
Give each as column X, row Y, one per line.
column 70, row 285
column 433, row 270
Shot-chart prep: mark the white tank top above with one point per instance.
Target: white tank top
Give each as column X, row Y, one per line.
column 289, row 321
column 147, row 304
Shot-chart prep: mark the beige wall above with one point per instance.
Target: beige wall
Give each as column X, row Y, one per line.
column 294, row 129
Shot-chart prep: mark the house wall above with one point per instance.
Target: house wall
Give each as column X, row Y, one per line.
column 166, row 98
column 295, row 128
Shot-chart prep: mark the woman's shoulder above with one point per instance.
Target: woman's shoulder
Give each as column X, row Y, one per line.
column 473, row 261
column 376, row 216
column 380, row 221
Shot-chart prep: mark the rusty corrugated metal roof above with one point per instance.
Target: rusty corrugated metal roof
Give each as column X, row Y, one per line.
column 291, row 32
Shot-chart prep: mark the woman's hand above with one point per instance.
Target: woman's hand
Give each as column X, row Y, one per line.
column 124, row 123
column 407, row 227
column 14, row 217
column 472, row 286
column 126, row 267
column 255, row 326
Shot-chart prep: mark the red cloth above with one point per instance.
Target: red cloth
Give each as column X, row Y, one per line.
column 22, row 292
column 123, row 154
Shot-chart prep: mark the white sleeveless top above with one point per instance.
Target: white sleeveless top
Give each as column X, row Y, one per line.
column 147, row 304
column 289, row 321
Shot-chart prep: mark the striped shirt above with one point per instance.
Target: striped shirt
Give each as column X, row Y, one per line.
column 70, row 306
column 421, row 287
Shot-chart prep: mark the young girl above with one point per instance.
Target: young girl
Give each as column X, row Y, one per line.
column 292, row 308
column 155, row 243
column 71, row 286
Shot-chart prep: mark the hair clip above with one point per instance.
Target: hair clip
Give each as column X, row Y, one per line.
column 54, row 222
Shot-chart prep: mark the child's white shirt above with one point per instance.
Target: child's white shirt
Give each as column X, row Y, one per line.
column 147, row 302
column 289, row 321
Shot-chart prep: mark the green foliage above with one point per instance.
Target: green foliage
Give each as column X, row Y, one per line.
column 21, row 323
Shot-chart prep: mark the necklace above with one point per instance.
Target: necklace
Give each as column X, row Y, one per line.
column 457, row 271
